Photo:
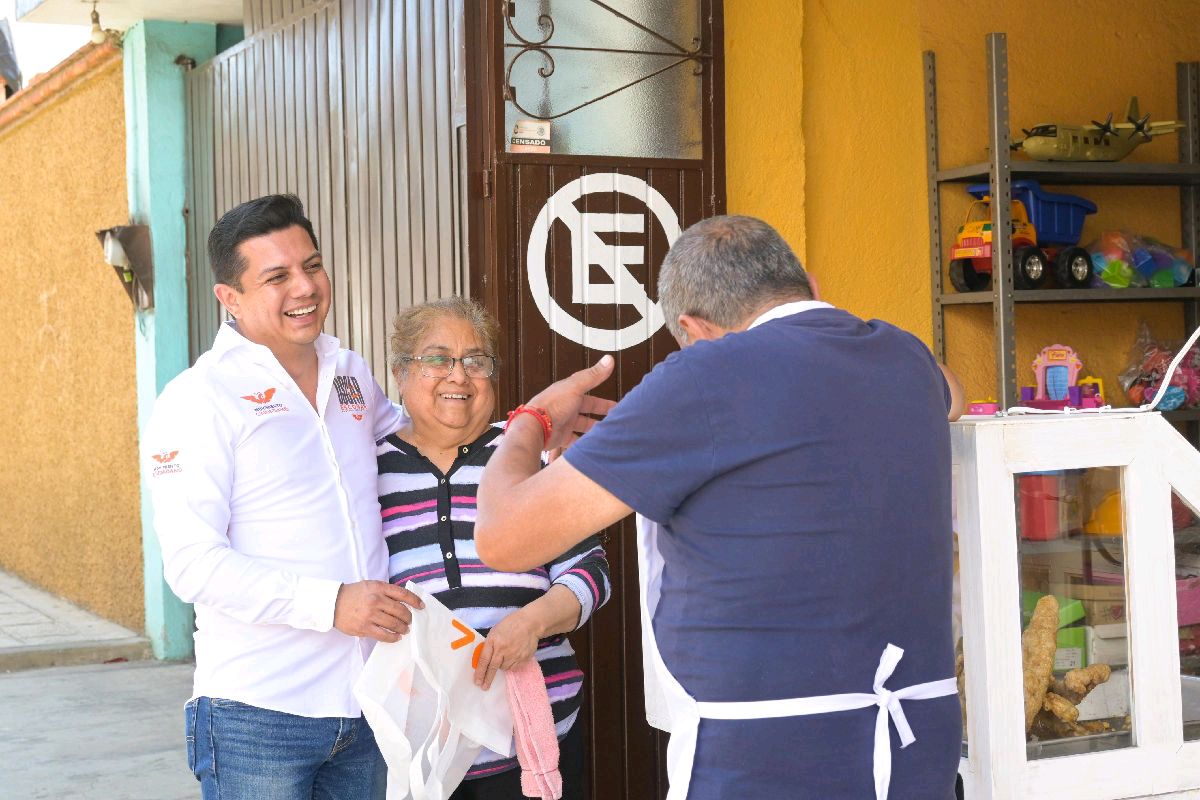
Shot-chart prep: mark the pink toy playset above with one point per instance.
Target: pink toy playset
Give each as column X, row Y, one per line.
column 1059, row 386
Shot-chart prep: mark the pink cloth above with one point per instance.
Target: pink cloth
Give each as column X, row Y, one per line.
column 533, row 731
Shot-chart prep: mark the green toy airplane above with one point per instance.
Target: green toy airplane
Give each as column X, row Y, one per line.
column 1100, row 141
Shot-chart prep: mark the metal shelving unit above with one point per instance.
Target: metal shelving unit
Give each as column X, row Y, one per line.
column 1098, row 173
column 1001, row 170
column 1077, row 295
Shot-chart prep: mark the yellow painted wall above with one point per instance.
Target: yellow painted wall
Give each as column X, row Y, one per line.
column 848, row 187
column 863, row 115
column 68, row 471
column 764, row 141
column 1124, row 49
column 815, row 103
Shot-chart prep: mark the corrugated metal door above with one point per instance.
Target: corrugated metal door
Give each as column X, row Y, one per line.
column 358, row 107
column 566, row 247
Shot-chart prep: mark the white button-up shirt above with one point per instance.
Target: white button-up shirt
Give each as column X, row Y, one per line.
column 786, row 310
column 264, row 507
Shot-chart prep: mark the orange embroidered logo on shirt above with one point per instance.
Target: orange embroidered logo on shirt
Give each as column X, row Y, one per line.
column 467, row 637
column 262, row 402
column 165, row 465
column 261, row 397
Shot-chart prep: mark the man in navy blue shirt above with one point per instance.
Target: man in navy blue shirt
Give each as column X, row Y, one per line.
column 796, row 460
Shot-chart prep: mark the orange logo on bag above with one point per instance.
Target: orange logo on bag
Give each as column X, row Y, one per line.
column 261, row 397
column 163, row 458
column 357, row 417
column 467, row 637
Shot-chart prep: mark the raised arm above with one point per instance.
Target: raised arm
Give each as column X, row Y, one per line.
column 530, row 516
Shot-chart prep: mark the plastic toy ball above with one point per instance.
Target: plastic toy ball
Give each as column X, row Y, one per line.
column 1188, row 379
column 1143, row 262
column 1163, row 279
column 1115, row 240
column 1182, row 271
column 1099, row 262
column 1172, row 399
column 1112, row 253
column 1117, row 274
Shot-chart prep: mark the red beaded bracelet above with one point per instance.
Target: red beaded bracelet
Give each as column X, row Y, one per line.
column 542, row 416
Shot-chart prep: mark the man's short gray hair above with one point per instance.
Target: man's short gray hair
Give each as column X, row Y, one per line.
column 723, row 269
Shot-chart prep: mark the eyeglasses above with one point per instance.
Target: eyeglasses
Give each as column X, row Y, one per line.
column 477, row 366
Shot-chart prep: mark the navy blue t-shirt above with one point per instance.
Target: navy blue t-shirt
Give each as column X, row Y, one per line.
column 801, row 471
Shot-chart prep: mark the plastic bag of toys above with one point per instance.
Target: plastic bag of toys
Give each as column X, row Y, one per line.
column 1121, row 259
column 1148, row 364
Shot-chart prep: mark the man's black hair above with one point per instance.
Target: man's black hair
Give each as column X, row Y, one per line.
column 258, row 217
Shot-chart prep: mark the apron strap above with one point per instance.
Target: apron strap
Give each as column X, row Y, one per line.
column 888, row 702
column 681, row 747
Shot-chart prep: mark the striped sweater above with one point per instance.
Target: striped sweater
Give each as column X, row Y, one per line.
column 429, row 523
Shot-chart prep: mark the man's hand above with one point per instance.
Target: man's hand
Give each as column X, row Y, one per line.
column 528, row 516
column 514, row 639
column 374, row 610
column 569, row 404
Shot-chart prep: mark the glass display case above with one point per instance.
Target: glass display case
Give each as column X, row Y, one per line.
column 1079, row 573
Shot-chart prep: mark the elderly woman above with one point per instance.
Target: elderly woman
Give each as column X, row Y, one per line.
column 443, row 358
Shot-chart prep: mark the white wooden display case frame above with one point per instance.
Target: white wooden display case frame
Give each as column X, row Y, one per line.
column 988, row 453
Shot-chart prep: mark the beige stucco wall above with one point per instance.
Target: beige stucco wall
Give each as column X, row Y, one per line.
column 68, row 470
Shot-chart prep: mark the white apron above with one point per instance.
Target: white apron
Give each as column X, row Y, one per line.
column 670, row 708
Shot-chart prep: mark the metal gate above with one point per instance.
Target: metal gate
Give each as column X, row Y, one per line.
column 566, row 247
column 356, row 106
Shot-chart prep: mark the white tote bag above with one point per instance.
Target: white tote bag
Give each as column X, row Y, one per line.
column 429, row 717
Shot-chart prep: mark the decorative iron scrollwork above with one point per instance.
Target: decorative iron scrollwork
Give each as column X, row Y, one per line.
column 542, row 47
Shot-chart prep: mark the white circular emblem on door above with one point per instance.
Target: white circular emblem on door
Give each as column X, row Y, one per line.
column 588, row 249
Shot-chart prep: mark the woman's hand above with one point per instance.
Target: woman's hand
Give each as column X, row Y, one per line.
column 514, row 639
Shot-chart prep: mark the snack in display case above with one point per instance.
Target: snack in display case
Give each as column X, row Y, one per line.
column 1078, row 579
column 1038, row 643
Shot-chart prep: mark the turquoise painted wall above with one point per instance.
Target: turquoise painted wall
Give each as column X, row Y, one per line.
column 228, row 36
column 156, row 145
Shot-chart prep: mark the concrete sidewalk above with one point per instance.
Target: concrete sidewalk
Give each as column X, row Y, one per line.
column 102, row 732
column 105, row 731
column 38, row 629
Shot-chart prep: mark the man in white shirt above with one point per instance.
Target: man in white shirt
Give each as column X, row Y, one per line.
column 263, row 478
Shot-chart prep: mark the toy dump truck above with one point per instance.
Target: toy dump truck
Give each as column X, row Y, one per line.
column 1045, row 229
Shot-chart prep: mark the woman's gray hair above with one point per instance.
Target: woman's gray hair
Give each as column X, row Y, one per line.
column 411, row 324
column 723, row 269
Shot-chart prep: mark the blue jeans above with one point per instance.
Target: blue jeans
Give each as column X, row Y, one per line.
column 241, row 752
